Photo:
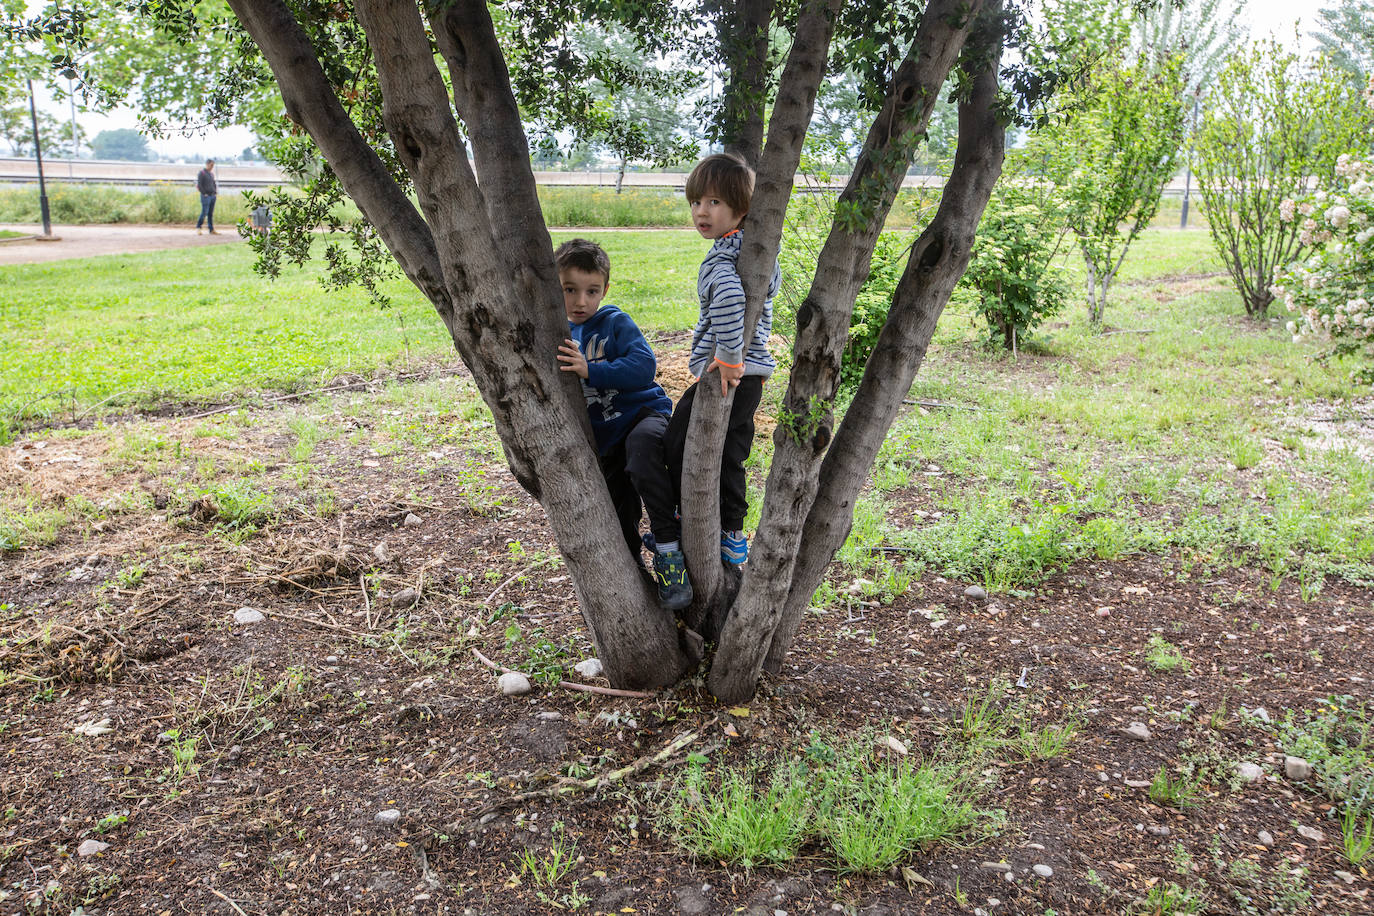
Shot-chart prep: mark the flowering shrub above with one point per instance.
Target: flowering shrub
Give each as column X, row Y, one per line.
column 1331, row 291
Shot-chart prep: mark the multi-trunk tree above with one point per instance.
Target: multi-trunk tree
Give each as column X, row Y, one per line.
column 450, row 131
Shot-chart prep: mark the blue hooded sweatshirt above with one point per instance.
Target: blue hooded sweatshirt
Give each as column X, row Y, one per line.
column 620, row 374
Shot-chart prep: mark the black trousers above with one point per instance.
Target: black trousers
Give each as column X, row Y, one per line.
column 636, row 470
column 739, row 439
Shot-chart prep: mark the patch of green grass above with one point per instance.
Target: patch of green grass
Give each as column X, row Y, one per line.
column 868, row 809
column 738, row 820
column 108, row 333
column 1357, row 835
column 1170, row 899
column 1163, row 655
column 1181, row 791
column 26, row 522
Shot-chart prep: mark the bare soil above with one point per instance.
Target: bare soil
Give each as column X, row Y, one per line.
column 344, row 702
column 89, row 241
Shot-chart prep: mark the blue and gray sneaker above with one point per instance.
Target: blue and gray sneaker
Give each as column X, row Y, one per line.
column 734, row 547
column 670, row 574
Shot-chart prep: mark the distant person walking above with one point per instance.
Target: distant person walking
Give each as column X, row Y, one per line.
column 209, row 190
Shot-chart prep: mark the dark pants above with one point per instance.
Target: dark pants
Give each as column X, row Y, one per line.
column 207, row 211
column 636, row 470
column 739, row 439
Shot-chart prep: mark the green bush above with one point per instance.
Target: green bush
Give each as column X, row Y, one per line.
column 1013, row 275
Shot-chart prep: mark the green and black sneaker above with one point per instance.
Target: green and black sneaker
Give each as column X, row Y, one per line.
column 670, row 574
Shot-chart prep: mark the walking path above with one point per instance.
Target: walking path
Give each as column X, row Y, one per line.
column 88, row 241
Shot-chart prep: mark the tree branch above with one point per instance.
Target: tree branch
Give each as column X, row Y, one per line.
column 937, row 261
column 311, row 103
column 823, row 324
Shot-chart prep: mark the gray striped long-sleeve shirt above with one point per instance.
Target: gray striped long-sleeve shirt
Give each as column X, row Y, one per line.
column 719, row 333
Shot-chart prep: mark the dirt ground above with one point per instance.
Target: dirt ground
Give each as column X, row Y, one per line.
column 88, row 241
column 343, row 750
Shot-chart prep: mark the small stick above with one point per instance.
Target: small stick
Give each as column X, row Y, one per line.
column 921, row 403
column 367, row 602
column 569, row 685
column 316, row 623
column 568, row 786
column 535, row 565
column 228, row 901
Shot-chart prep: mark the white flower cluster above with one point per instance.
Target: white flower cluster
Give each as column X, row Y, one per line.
column 1331, row 289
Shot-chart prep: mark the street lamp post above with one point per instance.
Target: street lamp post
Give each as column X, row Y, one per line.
column 38, row 154
column 76, row 147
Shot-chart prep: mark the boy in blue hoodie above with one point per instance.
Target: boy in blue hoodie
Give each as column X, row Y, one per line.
column 628, row 410
column 719, row 191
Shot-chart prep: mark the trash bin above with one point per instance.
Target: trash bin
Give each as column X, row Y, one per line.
column 262, row 220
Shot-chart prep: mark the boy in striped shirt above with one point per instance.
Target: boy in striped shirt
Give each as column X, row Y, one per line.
column 719, row 191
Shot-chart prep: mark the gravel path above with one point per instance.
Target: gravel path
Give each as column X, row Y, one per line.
column 89, row 241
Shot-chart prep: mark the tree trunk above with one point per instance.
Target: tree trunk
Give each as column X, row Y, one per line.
column 502, row 309
column 763, row 622
column 620, row 175
column 937, row 261
column 762, row 239
column 743, row 33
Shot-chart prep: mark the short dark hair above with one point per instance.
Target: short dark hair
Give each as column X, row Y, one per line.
column 209, row 162
column 723, row 175
column 583, row 254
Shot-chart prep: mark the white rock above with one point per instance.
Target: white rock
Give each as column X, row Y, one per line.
column 381, row 553
column 91, row 848
column 1345, row 876
column 94, row 729
column 588, row 668
column 895, row 746
column 249, row 615
column 1262, row 714
column 976, row 593
column 513, row 684
column 1043, row 871
column 412, row 520
column 1296, row 768
column 1250, row 772
column 1139, row 731
column 388, row 818
column 1266, row 839
column 405, row 598
column 1311, row 833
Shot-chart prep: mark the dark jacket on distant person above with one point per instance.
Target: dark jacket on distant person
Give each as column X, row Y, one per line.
column 206, row 184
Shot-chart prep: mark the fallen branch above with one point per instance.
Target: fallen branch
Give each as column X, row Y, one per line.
column 1128, row 331
column 939, row 404
column 568, row 786
column 524, row 572
column 569, row 685
column 316, row 623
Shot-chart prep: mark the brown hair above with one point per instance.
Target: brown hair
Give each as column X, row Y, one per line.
column 723, row 175
column 583, row 254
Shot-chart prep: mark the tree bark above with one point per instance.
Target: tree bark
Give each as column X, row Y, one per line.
column 742, row 29
column 762, row 238
column 937, row 260
column 506, row 340
column 803, row 432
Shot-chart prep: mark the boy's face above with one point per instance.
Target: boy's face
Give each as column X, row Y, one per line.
column 582, row 292
column 713, row 217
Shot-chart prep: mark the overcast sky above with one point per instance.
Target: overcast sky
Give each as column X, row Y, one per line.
column 1264, row 17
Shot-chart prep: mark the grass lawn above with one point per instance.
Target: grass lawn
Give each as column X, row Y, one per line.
column 1172, row 521
column 197, row 324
